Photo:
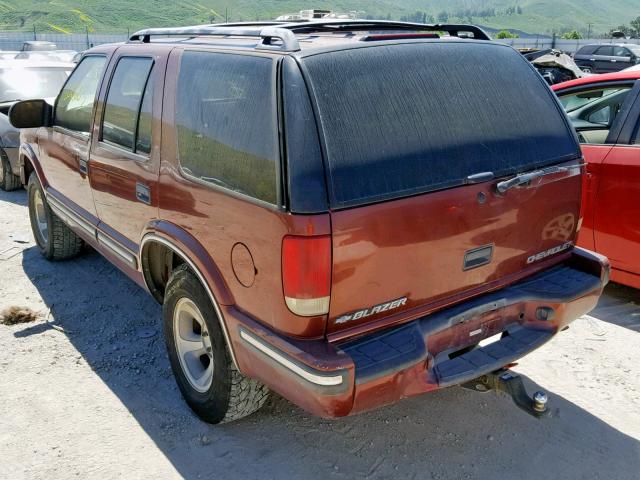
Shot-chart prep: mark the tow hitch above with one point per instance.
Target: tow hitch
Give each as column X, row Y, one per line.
column 510, row 383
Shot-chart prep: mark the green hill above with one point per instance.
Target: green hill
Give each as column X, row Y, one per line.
column 106, row 16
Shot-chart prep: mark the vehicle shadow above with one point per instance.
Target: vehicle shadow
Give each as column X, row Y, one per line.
column 18, row 197
column 454, row 433
column 620, row 306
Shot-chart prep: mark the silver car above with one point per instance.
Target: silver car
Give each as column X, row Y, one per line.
column 23, row 80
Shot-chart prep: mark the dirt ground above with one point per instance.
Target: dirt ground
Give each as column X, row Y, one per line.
column 87, row 392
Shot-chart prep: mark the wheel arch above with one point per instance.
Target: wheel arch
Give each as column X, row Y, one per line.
column 29, row 163
column 157, row 245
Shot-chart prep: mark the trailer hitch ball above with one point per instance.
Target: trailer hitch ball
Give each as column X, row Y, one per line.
column 510, row 383
column 540, row 401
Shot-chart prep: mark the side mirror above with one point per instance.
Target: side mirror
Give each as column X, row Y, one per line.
column 31, row 114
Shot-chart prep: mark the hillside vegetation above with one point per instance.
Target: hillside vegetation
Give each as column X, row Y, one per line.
column 106, row 16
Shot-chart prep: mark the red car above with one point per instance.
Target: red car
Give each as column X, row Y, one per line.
column 605, row 110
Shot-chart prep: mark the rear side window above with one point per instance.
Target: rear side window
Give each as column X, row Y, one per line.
column 225, row 120
column 621, row 52
column 126, row 97
column 411, row 118
column 74, row 106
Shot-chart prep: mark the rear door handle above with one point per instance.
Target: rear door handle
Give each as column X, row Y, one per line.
column 143, row 193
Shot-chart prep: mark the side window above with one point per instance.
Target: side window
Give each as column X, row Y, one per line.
column 593, row 112
column 586, row 50
column 621, row 52
column 126, row 99
column 225, row 121
column 75, row 103
column 607, row 51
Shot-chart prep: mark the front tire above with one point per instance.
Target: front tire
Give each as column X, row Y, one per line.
column 210, row 384
column 8, row 181
column 54, row 239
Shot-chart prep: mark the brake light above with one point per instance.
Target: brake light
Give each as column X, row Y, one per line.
column 397, row 36
column 306, row 274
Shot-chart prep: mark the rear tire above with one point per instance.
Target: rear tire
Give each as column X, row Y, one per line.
column 54, row 239
column 210, row 384
column 8, row 181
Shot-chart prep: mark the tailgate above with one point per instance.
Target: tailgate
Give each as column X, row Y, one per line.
column 436, row 248
column 417, row 136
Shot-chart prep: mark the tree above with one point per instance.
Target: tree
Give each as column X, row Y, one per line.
column 621, row 30
column 443, row 17
column 635, row 25
column 572, row 35
column 506, row 34
column 632, row 30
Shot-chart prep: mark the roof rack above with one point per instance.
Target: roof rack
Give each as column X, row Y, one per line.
column 284, row 32
column 287, row 39
column 316, row 26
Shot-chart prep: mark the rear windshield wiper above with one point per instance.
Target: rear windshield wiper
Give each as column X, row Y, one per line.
column 525, row 178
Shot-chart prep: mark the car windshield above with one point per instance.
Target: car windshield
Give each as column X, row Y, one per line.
column 23, row 83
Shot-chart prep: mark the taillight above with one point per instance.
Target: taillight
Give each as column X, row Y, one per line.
column 584, row 197
column 306, row 274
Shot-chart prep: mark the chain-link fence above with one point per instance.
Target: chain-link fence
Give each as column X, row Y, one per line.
column 81, row 41
column 74, row 41
column 568, row 46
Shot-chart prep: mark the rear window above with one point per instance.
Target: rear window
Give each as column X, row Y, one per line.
column 410, row 118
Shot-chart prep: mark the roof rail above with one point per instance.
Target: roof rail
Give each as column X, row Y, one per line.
column 267, row 32
column 312, row 26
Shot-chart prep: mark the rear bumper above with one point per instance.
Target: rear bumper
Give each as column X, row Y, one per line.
column 436, row 351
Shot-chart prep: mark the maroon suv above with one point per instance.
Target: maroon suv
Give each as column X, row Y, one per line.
column 339, row 211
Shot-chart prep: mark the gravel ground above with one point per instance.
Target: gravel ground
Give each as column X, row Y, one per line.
column 86, row 391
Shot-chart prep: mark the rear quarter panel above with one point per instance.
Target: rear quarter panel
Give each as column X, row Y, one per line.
column 220, row 219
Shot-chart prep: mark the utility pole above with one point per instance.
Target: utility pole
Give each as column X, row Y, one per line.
column 226, row 15
column 589, row 30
